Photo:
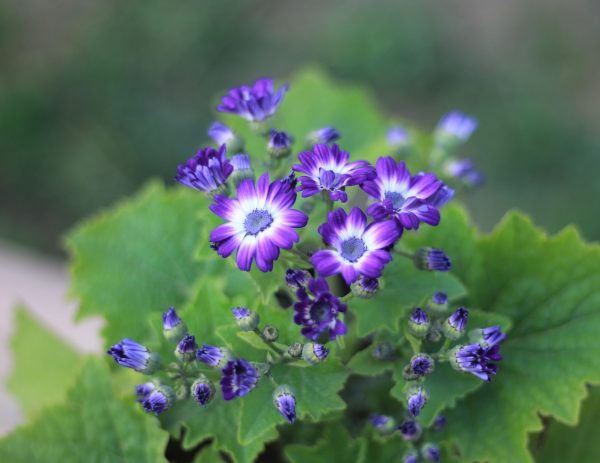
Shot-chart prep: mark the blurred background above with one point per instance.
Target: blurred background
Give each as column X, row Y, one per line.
column 97, row 97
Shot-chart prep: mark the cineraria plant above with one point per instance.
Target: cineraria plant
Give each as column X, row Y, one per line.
column 324, row 297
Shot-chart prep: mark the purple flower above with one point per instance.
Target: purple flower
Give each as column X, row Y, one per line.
column 324, row 135
column 186, row 348
column 431, row 452
column 159, row 400
column 401, row 196
column 132, row 355
column 207, row 171
column 314, row 353
column 492, row 336
column 246, row 319
column 319, row 314
column 285, row 402
column 432, row 259
column 296, row 278
column 456, row 125
column 203, row 390
column 421, row 365
column 239, row 378
column 220, row 133
column 143, row 390
column 365, row 287
column 327, row 169
column 465, row 171
column 213, row 356
column 439, row 423
column 358, row 249
column 260, row 222
column 173, row 328
column 255, row 103
column 280, row 144
column 410, row 456
column 416, row 400
column 242, row 168
column 456, row 324
column 410, row 430
column 441, row 197
column 384, row 424
column 396, row 137
column 418, row 323
column 476, row 359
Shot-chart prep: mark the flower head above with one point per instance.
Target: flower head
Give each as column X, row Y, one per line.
column 397, row 137
column 410, row 430
column 455, row 325
column 246, row 319
column 358, row 249
column 132, row 355
column 280, row 144
column 255, row 103
column 432, row 259
column 416, row 400
column 327, row 169
column 398, row 195
column 239, row 378
column 319, row 313
column 324, row 135
column 314, row 353
column 207, row 171
column 202, row 390
column 215, row 357
column 431, row 452
column 296, row 278
column 421, row 365
column 465, row 171
column 285, row 402
column 186, row 349
column 242, row 168
column 476, row 359
column 365, row 287
column 418, row 323
column 384, row 424
column 410, row 456
column 438, row 302
column 260, row 221
column 173, row 328
column 456, row 125
column 159, row 400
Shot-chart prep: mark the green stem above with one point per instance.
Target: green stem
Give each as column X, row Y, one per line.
column 415, row 343
column 300, row 255
column 406, row 254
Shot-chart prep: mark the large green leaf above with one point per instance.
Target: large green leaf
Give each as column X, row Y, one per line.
column 138, row 257
column 93, row 425
column 53, row 370
column 550, row 287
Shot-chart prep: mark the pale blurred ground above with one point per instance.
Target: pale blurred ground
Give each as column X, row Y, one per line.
column 40, row 284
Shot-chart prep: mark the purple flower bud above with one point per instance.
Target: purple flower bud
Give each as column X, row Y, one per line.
column 285, row 402
column 242, row 168
column 439, row 423
column 324, row 135
column 159, row 400
column 476, row 359
column 365, row 287
column 239, row 378
column 186, row 349
column 418, row 323
column 220, row 133
column 246, row 319
column 132, row 355
column 173, row 328
column 410, row 457
column 216, row 357
column 421, row 365
column 410, row 430
column 416, row 400
column 431, row 452
column 438, row 303
column 455, row 325
column 314, row 353
column 432, row 259
column 280, row 144
column 397, row 137
column 143, row 390
column 203, row 390
column 385, row 425
column 489, row 337
column 456, row 125
column 465, row 171
column 296, row 278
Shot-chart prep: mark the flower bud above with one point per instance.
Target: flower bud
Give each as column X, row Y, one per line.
column 202, row 390
column 296, row 278
column 438, row 304
column 270, row 333
column 173, row 328
column 410, row 430
column 246, row 319
column 487, row 337
column 295, row 350
column 216, row 357
column 454, row 327
column 365, row 287
column 242, row 168
column 397, row 137
column 421, row 365
column 323, row 135
column 439, row 423
column 410, row 456
column 385, row 425
column 418, row 323
column 186, row 349
column 432, row 259
column 454, row 128
column 285, row 402
column 157, row 401
column 143, row 390
column 314, row 353
column 221, row 134
column 416, row 400
column 132, row 355
column 431, row 452
column 280, row 144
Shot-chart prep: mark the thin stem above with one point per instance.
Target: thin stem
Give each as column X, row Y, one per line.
column 415, row 343
column 406, row 254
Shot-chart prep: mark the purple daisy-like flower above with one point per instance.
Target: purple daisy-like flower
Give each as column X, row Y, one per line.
column 132, row 355
column 358, row 249
column 239, row 378
column 476, row 359
column 319, row 314
column 456, row 124
column 399, row 195
column 207, row 171
column 421, row 365
column 255, row 103
column 285, row 402
column 260, row 221
column 327, row 169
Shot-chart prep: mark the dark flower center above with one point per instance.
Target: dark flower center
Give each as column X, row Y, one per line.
column 396, row 198
column 320, row 311
column 257, row 221
column 353, row 249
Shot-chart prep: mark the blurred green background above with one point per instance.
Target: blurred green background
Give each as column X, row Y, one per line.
column 96, row 97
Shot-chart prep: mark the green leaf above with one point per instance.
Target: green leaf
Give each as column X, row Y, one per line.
column 138, row 258
column 53, row 371
column 335, row 445
column 559, row 443
column 403, row 287
column 550, row 287
column 93, row 425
